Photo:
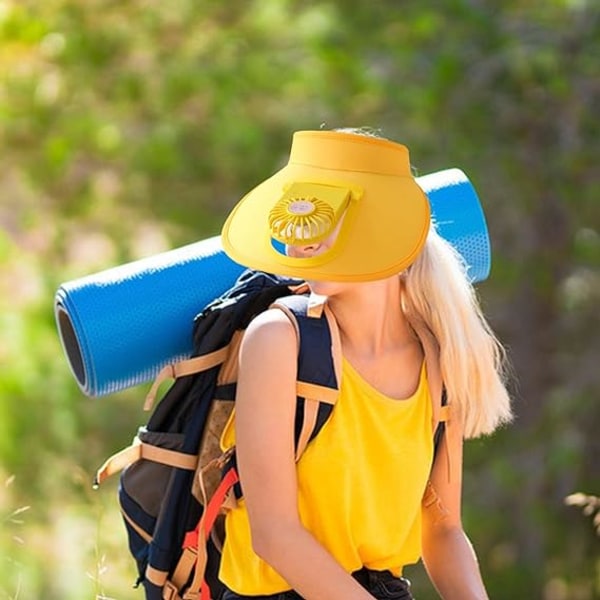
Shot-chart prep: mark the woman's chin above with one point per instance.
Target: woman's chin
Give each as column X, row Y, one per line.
column 326, row 288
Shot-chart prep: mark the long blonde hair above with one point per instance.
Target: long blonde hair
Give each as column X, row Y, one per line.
column 438, row 295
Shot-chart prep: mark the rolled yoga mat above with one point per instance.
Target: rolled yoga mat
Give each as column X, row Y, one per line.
column 119, row 327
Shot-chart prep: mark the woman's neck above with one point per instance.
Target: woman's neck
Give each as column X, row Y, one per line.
column 370, row 318
column 376, row 337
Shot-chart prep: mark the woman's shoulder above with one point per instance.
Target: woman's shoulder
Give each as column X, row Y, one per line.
column 268, row 354
column 270, row 333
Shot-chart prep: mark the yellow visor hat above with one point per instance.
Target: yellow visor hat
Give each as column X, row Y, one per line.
column 358, row 187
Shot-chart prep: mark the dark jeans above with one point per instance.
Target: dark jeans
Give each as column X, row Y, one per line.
column 381, row 584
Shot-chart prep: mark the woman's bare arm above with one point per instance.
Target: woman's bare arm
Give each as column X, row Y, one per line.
column 265, row 411
column 447, row 553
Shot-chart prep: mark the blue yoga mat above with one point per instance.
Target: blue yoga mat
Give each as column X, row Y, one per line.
column 119, row 327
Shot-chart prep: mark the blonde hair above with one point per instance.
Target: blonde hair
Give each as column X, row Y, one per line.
column 438, row 294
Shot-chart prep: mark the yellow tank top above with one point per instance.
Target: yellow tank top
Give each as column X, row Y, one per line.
column 360, row 484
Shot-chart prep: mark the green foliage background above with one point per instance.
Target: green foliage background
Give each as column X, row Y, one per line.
column 130, row 127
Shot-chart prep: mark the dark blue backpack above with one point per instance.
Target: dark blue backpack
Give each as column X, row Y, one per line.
column 175, row 479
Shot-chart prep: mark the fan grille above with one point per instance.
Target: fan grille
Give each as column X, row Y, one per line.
column 301, row 220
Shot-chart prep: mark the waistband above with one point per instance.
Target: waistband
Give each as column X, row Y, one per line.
column 382, row 585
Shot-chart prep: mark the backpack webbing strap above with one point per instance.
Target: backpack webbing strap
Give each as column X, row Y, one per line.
column 139, row 530
column 194, row 545
column 190, row 366
column 452, row 439
column 317, row 377
column 310, row 410
column 445, row 422
column 449, row 433
column 319, row 364
column 314, row 391
column 140, row 450
column 444, row 413
column 316, row 305
column 194, row 555
column 336, row 344
column 442, row 417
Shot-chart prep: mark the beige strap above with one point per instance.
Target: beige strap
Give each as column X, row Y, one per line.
column 434, row 374
column 190, row 366
column 449, row 464
column 160, row 578
column 301, row 288
column 199, row 487
column 313, row 393
column 170, row 592
column 453, row 434
column 117, row 462
column 316, row 304
column 454, row 439
column 316, row 392
column 444, row 414
column 311, row 409
column 336, row 345
column 185, row 565
column 139, row 450
column 171, row 458
column 229, row 503
column 310, row 390
column 192, row 592
column 141, row 532
column 156, row 577
column 213, row 464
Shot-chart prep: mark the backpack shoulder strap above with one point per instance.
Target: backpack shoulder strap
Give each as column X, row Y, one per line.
column 445, row 421
column 319, row 364
column 319, row 374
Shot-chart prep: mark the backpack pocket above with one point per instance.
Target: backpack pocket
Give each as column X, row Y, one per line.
column 139, row 527
column 141, row 493
column 146, row 481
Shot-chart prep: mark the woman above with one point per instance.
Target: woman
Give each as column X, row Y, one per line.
column 367, row 496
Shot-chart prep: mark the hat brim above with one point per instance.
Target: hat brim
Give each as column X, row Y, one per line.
column 384, row 227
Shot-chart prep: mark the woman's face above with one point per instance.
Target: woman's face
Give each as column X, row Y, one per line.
column 325, row 288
